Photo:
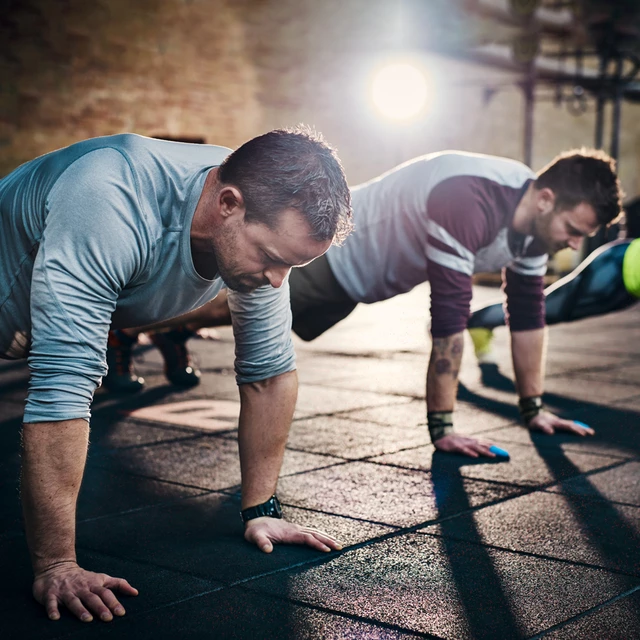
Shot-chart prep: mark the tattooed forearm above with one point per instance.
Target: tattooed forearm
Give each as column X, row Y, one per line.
column 442, row 376
column 446, row 355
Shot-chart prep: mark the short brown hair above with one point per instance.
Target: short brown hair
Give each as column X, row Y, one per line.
column 584, row 175
column 292, row 168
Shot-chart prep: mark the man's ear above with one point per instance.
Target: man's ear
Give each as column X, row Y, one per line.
column 231, row 202
column 546, row 200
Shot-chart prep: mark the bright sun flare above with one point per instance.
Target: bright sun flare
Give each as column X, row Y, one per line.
column 399, row 91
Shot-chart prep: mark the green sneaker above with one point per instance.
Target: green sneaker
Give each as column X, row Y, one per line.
column 482, row 339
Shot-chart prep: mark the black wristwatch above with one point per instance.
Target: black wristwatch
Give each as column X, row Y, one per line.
column 271, row 508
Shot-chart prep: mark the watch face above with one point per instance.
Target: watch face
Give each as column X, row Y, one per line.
column 276, row 507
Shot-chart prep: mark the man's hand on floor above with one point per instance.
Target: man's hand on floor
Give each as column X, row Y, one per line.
column 84, row 593
column 549, row 423
column 265, row 532
column 465, row 446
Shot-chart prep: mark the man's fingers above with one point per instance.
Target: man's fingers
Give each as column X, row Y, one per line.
column 327, row 540
column 51, row 606
column 110, row 600
column 321, row 534
column 121, row 585
column 263, row 543
column 74, row 604
column 573, row 427
column 96, row 605
column 311, row 541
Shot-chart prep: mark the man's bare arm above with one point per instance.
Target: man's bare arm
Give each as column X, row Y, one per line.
column 265, row 419
column 528, row 354
column 442, row 386
column 54, row 455
column 442, row 375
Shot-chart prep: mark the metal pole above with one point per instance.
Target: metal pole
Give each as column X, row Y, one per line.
column 600, row 103
column 617, row 108
column 528, row 88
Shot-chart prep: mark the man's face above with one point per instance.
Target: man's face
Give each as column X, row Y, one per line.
column 557, row 230
column 250, row 254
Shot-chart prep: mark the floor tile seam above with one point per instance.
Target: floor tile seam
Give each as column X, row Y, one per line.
column 334, row 414
column 218, row 584
column 293, row 474
column 584, row 614
column 341, row 614
column 145, row 445
column 394, row 394
column 160, row 424
column 339, row 515
column 595, row 499
column 594, row 369
column 166, row 503
column 532, row 554
column 174, row 483
column 499, row 483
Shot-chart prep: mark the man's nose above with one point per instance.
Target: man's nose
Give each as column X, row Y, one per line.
column 574, row 242
column 276, row 276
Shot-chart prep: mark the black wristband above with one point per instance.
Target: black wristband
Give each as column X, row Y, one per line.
column 440, row 424
column 530, row 408
column 271, row 508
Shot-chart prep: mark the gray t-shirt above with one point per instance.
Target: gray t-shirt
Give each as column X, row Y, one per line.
column 98, row 234
column 440, row 218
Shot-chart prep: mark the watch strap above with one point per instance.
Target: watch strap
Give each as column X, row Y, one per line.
column 271, row 508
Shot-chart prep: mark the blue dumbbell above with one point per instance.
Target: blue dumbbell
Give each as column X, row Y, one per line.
column 501, row 453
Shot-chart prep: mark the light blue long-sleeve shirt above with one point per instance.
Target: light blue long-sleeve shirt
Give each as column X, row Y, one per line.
column 98, row 234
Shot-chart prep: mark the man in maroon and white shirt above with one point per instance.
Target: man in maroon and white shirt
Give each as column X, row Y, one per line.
column 441, row 218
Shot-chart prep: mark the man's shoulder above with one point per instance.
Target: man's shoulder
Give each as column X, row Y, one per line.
column 461, row 164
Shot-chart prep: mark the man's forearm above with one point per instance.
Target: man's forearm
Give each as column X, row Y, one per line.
column 527, row 351
column 442, row 375
column 54, row 455
column 265, row 418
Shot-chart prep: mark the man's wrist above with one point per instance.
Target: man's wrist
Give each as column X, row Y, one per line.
column 271, row 509
column 440, row 424
column 529, row 408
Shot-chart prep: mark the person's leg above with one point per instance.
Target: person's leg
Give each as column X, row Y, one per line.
column 596, row 287
column 317, row 300
column 170, row 337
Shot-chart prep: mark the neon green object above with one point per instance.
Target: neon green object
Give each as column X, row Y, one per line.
column 631, row 268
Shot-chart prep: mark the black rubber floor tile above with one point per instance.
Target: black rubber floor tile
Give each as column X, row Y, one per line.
column 612, row 438
column 402, row 377
column 22, row 617
column 411, row 413
column 201, row 536
column 238, row 614
column 346, row 530
column 353, row 439
column 385, row 494
column 316, row 399
column 619, row 620
column 104, row 492
column 106, row 437
column 566, row 527
column 621, row 484
column 448, row 588
column 527, row 466
column 209, row 462
column 108, row 492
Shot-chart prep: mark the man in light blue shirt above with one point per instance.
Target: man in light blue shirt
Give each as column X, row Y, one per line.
column 128, row 231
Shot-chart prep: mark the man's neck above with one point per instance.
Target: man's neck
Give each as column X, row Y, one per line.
column 202, row 228
column 523, row 218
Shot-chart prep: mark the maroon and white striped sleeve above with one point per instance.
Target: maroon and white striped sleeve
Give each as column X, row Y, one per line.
column 458, row 226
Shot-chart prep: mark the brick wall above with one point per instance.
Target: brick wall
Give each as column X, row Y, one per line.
column 229, row 69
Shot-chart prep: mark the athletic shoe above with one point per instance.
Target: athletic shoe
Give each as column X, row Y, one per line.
column 482, row 339
column 178, row 367
column 121, row 378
